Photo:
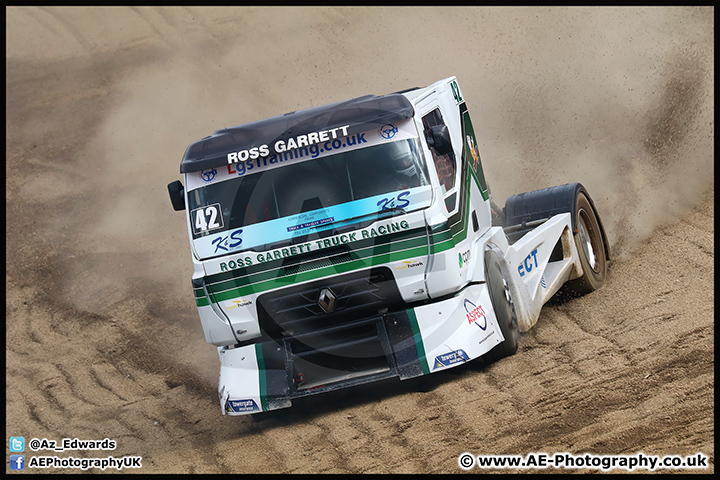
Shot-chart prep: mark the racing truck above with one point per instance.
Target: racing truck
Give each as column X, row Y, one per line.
column 357, row 241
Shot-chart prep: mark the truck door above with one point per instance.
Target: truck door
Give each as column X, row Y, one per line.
column 446, row 166
column 446, row 218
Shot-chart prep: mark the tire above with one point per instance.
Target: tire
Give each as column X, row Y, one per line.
column 504, row 310
column 591, row 249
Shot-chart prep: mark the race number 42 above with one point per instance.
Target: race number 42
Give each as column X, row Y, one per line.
column 206, row 218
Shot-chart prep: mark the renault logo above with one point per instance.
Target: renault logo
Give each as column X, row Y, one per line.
column 326, row 300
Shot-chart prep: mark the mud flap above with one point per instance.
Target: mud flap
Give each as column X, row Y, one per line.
column 404, row 336
column 275, row 386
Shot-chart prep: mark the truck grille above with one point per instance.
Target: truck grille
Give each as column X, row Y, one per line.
column 295, row 311
column 333, row 329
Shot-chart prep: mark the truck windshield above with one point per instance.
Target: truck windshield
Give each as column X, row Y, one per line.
column 292, row 201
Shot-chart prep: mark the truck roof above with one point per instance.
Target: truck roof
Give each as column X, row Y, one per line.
column 353, row 116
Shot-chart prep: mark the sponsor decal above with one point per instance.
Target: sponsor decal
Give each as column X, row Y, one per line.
column 238, row 304
column 388, row 131
column 224, row 243
column 292, row 143
column 527, row 265
column 400, row 201
column 208, row 175
column 263, row 158
column 237, row 263
column 280, row 253
column 474, row 151
column 447, row 359
column 248, row 405
column 487, row 336
column 290, row 156
column 471, row 155
column 406, row 264
column 475, row 314
column 463, row 258
column 314, row 223
column 542, row 281
column 212, row 242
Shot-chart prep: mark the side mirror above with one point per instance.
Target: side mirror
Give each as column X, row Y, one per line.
column 439, row 139
column 177, row 195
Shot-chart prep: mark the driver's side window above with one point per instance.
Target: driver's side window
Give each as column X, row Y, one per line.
column 445, row 165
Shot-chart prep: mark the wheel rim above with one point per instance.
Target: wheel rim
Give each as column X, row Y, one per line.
column 588, row 239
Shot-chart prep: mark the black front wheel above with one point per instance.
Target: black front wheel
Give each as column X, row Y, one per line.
column 504, row 310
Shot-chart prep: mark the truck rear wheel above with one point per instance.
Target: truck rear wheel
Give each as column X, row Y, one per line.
column 504, row 310
column 591, row 249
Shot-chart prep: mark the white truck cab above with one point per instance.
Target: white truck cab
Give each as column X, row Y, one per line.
column 356, row 241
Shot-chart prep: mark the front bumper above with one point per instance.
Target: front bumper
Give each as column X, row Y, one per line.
column 405, row 343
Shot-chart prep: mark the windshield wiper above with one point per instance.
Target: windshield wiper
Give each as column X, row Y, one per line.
column 393, row 210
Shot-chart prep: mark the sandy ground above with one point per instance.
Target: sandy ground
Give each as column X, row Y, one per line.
column 102, row 335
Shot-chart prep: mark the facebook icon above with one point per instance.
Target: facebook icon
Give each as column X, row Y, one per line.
column 17, row 462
